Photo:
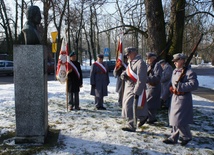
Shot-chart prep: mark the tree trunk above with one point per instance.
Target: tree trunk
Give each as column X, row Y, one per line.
column 91, row 34
column 177, row 25
column 16, row 21
column 156, row 25
column 45, row 13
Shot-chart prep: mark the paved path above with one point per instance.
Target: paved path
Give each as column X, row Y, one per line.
column 201, row 91
column 205, row 93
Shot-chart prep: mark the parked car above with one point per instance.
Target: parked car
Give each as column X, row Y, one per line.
column 6, row 67
column 110, row 64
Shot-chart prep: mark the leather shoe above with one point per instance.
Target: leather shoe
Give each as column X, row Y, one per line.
column 168, row 141
column 70, row 108
column 128, row 129
column 78, row 108
column 185, row 142
column 141, row 123
column 101, row 108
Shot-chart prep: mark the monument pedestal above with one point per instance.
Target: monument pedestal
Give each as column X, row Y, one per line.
column 31, row 105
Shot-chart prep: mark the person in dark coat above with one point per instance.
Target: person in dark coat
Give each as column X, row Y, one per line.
column 165, row 83
column 153, row 84
column 120, row 83
column 74, row 82
column 99, row 80
column 181, row 110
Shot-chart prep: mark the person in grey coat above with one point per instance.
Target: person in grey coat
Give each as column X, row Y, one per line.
column 181, row 110
column 165, row 83
column 120, row 83
column 135, row 84
column 99, row 80
column 153, row 84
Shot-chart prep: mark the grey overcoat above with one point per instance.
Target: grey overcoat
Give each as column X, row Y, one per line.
column 131, row 88
column 166, row 81
column 154, row 87
column 120, row 82
column 181, row 110
column 99, row 81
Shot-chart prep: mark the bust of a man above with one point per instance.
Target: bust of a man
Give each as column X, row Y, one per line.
column 30, row 35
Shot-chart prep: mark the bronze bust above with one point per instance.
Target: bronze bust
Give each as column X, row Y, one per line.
column 30, row 35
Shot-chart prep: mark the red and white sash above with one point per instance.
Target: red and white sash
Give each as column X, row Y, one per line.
column 142, row 98
column 101, row 66
column 131, row 74
column 71, row 66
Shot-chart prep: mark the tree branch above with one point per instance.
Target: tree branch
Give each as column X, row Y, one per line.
column 200, row 12
column 131, row 28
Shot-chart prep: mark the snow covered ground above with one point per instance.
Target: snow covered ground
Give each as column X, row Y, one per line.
column 94, row 132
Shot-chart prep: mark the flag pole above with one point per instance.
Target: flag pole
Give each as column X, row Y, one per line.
column 67, row 51
column 67, row 94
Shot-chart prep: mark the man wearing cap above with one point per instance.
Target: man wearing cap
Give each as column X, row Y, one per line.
column 165, row 83
column 74, row 82
column 153, row 90
column 181, row 109
column 134, row 92
column 120, row 83
column 99, row 80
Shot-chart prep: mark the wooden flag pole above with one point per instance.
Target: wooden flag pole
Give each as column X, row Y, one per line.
column 67, row 94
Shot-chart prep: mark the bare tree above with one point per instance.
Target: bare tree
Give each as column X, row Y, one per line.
column 59, row 10
column 6, row 26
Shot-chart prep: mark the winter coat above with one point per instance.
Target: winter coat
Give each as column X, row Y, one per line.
column 99, row 81
column 166, row 81
column 74, row 82
column 181, row 110
column 154, row 87
column 120, row 82
column 132, row 88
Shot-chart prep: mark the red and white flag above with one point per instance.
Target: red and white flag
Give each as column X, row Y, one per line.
column 119, row 53
column 65, row 65
column 61, row 72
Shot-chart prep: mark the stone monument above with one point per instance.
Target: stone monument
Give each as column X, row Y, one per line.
column 30, row 80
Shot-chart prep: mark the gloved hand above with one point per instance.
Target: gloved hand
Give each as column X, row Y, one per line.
column 123, row 75
column 172, row 90
column 136, row 97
